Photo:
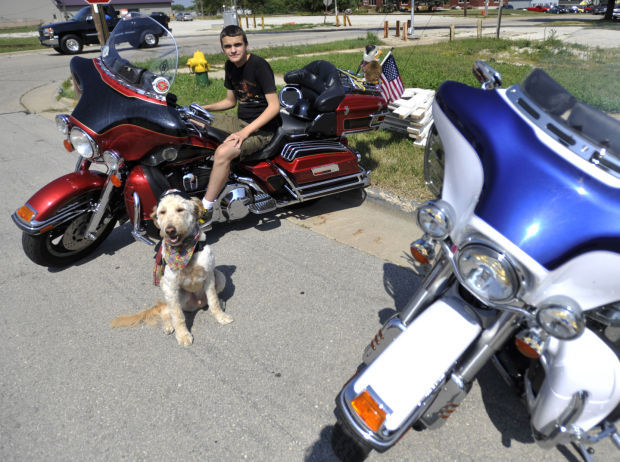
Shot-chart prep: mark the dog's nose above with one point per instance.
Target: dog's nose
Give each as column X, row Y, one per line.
column 171, row 231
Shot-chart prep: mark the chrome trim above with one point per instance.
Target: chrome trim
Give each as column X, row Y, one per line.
column 139, row 91
column 562, row 429
column 104, row 200
column 488, row 343
column 63, row 215
column 572, row 140
column 139, row 232
column 292, row 151
column 431, row 288
column 381, row 442
column 503, row 305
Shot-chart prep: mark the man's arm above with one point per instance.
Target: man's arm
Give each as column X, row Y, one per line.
column 272, row 110
column 227, row 103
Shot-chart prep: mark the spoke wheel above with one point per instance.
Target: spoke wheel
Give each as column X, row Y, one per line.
column 66, row 244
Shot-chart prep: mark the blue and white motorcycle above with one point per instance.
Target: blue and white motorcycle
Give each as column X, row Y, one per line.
column 523, row 245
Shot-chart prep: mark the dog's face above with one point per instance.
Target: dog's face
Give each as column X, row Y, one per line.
column 176, row 217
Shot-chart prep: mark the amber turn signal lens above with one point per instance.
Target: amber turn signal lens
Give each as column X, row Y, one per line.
column 116, row 181
column 68, row 145
column 369, row 411
column 25, row 213
column 525, row 349
column 418, row 256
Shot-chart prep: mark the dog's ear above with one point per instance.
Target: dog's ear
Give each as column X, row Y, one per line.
column 154, row 216
column 198, row 207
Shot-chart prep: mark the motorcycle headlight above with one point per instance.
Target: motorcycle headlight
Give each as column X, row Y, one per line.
column 62, row 123
column 561, row 317
column 436, row 218
column 112, row 160
column 487, row 273
column 83, row 143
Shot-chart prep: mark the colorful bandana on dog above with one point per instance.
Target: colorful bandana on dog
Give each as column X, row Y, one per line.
column 175, row 256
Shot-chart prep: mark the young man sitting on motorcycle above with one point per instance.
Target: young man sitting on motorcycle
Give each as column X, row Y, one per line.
column 250, row 83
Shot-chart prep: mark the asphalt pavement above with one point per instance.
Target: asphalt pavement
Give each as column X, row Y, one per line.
column 307, row 289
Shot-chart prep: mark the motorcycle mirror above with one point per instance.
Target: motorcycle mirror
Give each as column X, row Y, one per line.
column 488, row 76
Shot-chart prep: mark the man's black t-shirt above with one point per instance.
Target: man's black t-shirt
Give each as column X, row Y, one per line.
column 250, row 82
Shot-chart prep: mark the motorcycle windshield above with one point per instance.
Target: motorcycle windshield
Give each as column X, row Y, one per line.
column 142, row 55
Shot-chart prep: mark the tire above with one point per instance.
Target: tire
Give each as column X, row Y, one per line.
column 71, row 44
column 66, row 244
column 346, row 448
column 58, row 49
column 150, row 40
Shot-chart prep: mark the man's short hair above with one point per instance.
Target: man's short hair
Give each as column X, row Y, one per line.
column 233, row 31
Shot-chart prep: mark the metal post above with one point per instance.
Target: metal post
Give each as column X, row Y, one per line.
column 499, row 17
column 411, row 29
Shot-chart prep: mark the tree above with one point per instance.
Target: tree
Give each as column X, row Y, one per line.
column 610, row 10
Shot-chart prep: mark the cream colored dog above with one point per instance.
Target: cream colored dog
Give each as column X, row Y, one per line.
column 190, row 280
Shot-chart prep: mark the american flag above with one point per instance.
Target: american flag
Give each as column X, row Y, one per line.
column 391, row 83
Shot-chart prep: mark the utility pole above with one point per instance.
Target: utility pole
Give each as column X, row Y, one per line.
column 412, row 28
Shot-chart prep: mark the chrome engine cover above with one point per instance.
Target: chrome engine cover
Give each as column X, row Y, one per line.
column 235, row 201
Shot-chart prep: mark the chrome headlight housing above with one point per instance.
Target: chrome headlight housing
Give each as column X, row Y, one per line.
column 112, row 160
column 83, row 143
column 487, row 272
column 436, row 218
column 62, row 123
column 561, row 317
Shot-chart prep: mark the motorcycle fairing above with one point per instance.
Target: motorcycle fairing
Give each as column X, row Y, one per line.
column 584, row 215
column 105, row 104
column 570, row 367
column 48, row 200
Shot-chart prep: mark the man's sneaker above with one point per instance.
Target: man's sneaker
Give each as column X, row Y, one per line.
column 206, row 217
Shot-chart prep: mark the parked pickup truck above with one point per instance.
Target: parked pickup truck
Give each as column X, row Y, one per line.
column 69, row 37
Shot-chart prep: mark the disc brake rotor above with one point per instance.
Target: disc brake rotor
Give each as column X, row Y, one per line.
column 73, row 237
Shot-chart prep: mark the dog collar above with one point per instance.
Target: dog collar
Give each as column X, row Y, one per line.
column 176, row 257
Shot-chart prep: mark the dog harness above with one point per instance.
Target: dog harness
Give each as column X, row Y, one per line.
column 175, row 256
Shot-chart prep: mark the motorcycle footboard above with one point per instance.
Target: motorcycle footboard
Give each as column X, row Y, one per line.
column 401, row 381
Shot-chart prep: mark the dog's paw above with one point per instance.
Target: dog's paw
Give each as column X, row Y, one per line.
column 185, row 339
column 168, row 328
column 223, row 318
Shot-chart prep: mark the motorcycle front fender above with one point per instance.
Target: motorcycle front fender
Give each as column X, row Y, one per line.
column 44, row 209
column 405, row 377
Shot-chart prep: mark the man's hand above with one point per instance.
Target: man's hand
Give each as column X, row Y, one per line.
column 236, row 138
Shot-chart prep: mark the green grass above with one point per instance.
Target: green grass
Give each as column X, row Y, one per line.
column 8, row 44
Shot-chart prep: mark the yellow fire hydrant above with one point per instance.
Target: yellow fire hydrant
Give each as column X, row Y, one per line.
column 199, row 66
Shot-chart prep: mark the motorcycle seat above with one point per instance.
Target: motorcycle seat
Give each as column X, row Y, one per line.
column 291, row 128
column 323, row 79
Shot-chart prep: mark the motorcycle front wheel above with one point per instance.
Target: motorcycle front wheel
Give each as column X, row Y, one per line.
column 64, row 245
column 345, row 447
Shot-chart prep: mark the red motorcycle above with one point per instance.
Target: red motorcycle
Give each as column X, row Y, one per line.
column 128, row 124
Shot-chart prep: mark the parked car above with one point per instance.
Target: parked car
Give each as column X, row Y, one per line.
column 508, row 7
column 538, row 8
column 557, row 9
column 616, row 13
column 69, row 37
column 599, row 9
column 575, row 9
column 184, row 17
